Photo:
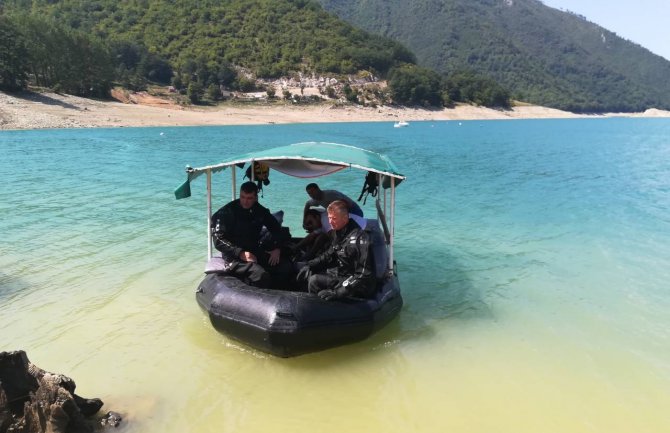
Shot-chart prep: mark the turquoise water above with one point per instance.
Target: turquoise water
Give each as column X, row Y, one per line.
column 533, row 257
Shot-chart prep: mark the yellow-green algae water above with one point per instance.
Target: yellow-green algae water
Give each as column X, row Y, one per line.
column 534, row 259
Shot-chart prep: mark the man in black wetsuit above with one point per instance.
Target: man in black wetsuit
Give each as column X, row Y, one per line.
column 346, row 268
column 237, row 234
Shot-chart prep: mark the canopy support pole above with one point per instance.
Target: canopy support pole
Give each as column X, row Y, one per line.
column 209, row 214
column 392, row 243
column 385, row 209
column 232, row 171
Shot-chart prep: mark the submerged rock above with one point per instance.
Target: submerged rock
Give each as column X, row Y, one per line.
column 111, row 419
column 35, row 401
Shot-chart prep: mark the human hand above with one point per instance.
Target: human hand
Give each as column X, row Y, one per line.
column 327, row 295
column 246, row 256
column 274, row 256
column 303, row 274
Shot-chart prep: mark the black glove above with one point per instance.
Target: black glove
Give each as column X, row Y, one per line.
column 329, row 295
column 303, row 274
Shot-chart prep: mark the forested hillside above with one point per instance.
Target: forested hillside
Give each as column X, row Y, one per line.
column 481, row 51
column 272, row 37
column 205, row 39
column 542, row 55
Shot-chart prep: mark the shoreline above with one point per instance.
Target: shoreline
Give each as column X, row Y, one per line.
column 30, row 110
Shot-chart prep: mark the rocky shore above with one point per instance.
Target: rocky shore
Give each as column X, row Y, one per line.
column 29, row 110
column 35, row 401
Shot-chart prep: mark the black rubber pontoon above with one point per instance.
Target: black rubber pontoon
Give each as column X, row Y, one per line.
column 286, row 323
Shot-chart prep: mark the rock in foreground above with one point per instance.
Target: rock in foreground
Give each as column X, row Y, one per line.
column 35, row 401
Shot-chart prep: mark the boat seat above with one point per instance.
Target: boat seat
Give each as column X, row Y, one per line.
column 216, row 265
column 379, row 251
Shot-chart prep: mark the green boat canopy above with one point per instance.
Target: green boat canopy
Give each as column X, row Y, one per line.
column 305, row 160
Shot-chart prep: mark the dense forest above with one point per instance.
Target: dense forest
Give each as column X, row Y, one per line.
column 83, row 47
column 432, row 52
column 481, row 51
column 542, row 55
column 49, row 55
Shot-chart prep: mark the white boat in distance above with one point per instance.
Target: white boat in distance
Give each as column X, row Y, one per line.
column 400, row 124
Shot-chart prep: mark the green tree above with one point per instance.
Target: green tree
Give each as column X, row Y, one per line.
column 67, row 59
column 350, row 94
column 213, row 92
column 245, row 84
column 413, row 85
column 177, row 82
column 13, row 56
column 194, row 92
column 135, row 65
column 466, row 86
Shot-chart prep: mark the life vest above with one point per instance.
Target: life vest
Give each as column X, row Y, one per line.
column 261, row 171
column 261, row 175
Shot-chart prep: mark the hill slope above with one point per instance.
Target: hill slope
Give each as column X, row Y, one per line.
column 543, row 55
column 269, row 37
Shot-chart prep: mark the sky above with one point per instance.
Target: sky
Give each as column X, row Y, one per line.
column 645, row 22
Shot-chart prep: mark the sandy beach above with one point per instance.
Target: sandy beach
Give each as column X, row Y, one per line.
column 50, row 110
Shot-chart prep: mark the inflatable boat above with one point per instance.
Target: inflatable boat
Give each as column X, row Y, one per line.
column 293, row 323
column 288, row 323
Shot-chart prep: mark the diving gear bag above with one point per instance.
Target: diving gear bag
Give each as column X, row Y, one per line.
column 370, row 186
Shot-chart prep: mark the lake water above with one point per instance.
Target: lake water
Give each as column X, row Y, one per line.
column 534, row 259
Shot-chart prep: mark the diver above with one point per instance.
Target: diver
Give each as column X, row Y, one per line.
column 346, row 267
column 255, row 259
column 315, row 242
column 323, row 198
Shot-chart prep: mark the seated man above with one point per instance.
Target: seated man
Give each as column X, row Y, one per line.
column 346, row 268
column 237, row 234
column 317, row 226
column 323, row 198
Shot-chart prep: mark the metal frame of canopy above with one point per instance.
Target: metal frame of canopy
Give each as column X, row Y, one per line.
column 312, row 162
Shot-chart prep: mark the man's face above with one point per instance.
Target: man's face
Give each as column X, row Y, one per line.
column 311, row 223
column 247, row 199
column 313, row 193
column 338, row 220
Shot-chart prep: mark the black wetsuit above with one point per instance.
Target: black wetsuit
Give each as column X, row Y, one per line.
column 237, row 229
column 346, row 268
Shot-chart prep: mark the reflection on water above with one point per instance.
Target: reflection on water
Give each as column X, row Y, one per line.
column 533, row 258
